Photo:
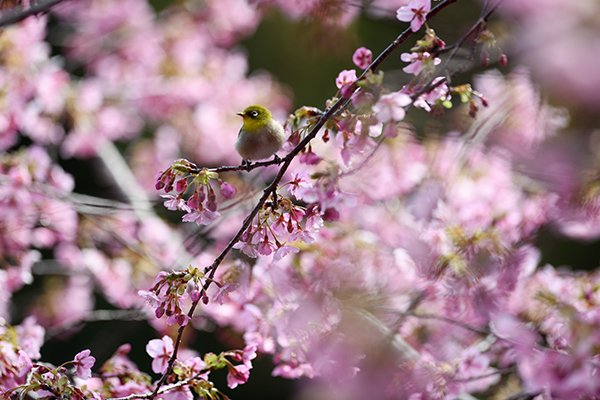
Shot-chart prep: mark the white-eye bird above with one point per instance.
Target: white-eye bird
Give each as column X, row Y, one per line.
column 260, row 135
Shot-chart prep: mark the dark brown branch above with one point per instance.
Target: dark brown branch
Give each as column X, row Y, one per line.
column 248, row 167
column 18, row 14
column 173, row 358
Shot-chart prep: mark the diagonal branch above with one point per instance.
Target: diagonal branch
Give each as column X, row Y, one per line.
column 18, row 14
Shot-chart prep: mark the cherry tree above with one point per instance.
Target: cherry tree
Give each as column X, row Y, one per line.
column 395, row 248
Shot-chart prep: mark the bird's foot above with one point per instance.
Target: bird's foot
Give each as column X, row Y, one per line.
column 277, row 159
column 245, row 165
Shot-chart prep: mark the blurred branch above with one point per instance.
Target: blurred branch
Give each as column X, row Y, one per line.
column 483, row 376
column 524, row 396
column 405, row 349
column 475, row 30
column 137, row 196
column 99, row 316
column 125, row 180
column 55, row 267
column 18, row 14
column 447, row 320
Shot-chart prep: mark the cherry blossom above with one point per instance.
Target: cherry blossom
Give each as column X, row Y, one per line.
column 362, row 57
column 419, row 62
column 83, row 363
column 345, row 78
column 161, row 351
column 391, row 107
column 414, row 12
column 237, row 375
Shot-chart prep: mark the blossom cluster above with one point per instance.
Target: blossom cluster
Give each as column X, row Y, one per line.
column 201, row 205
column 171, row 290
column 194, row 368
column 22, row 373
column 278, row 225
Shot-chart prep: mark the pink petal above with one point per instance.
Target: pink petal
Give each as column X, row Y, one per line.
column 404, row 14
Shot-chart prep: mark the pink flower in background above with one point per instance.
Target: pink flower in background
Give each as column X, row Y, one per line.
column 415, row 13
column 161, row 351
column 228, row 190
column 568, row 26
column 362, row 57
column 474, row 373
column 31, row 337
column 391, row 107
column 418, row 62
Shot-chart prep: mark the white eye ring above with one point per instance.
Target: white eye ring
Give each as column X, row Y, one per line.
column 254, row 113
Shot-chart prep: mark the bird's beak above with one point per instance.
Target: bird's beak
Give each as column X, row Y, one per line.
column 241, row 114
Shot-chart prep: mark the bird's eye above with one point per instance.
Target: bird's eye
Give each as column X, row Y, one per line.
column 253, row 113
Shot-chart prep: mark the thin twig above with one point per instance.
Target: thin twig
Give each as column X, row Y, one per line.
column 483, row 376
column 163, row 390
column 247, row 167
column 447, row 320
column 18, row 14
column 476, row 28
column 402, row 346
column 128, row 184
column 412, row 313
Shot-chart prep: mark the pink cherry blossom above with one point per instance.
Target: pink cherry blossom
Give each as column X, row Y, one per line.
column 161, row 351
column 390, row 260
column 345, row 78
column 414, row 12
column 362, row 57
column 237, row 375
column 419, row 62
column 228, row 190
column 391, row 107
column 83, row 363
column 440, row 94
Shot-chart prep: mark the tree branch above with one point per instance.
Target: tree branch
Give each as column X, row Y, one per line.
column 163, row 390
column 18, row 14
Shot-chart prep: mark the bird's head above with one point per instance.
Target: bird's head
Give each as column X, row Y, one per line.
column 255, row 117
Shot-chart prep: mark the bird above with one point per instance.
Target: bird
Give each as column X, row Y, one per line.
column 260, row 136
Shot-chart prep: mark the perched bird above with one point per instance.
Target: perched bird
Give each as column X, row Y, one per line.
column 260, row 135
